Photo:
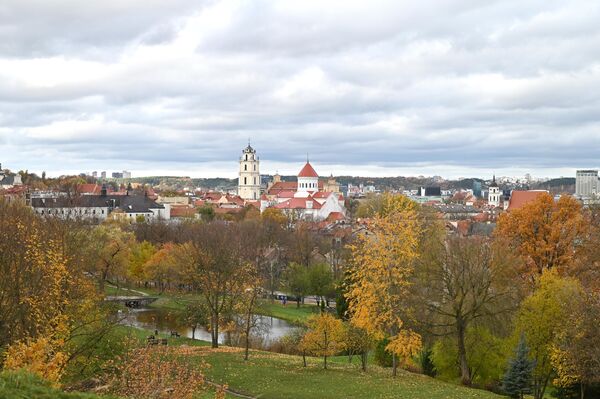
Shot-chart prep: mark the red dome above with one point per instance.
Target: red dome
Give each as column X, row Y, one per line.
column 308, row 171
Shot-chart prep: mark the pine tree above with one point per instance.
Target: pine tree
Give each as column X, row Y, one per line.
column 517, row 379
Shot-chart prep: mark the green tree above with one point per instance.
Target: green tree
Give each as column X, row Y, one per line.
column 320, row 281
column 517, row 380
column 298, row 282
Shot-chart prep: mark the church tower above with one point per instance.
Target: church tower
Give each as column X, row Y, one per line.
column 494, row 193
column 249, row 177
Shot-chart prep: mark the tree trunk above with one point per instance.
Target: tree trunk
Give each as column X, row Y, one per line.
column 465, row 373
column 325, row 362
column 193, row 332
column 298, row 302
column 363, row 360
column 394, row 365
column 215, row 332
column 304, row 357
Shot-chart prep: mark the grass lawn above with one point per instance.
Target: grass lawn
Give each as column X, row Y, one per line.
column 269, row 375
column 290, row 312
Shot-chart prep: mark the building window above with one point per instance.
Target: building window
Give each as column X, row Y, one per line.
column 245, row 167
column 245, row 181
column 255, row 181
column 255, row 168
column 246, row 157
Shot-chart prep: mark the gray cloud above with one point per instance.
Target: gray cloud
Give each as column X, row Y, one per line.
column 388, row 87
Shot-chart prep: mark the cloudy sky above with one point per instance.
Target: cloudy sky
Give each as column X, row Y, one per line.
column 451, row 88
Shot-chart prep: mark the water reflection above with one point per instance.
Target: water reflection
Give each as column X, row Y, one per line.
column 269, row 328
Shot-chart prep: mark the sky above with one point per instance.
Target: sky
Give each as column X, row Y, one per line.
column 373, row 88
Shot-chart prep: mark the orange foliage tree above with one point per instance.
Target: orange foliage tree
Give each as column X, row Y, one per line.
column 546, row 234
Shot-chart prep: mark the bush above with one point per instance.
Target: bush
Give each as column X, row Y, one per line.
column 383, row 357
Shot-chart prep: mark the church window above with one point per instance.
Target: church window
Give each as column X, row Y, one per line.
column 245, row 181
column 255, row 168
column 246, row 157
column 255, row 180
column 245, row 167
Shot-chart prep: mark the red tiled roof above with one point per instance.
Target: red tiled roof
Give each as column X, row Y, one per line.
column 264, row 197
column 321, row 194
column 182, row 211
column 283, row 186
column 520, row 198
column 298, row 203
column 286, row 194
column 334, row 216
column 88, row 188
column 308, row 171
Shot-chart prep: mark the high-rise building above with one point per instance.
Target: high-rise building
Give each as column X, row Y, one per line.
column 95, row 174
column 477, row 188
column 586, row 183
column 103, row 174
column 126, row 174
column 249, row 176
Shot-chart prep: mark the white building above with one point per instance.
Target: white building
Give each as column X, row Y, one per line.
column 98, row 207
column 494, row 194
column 9, row 180
column 586, row 183
column 249, row 175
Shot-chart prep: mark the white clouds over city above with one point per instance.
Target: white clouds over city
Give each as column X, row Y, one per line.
column 381, row 87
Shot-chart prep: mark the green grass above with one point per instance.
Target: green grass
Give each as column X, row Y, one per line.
column 269, row 375
column 275, row 376
column 20, row 385
column 290, row 312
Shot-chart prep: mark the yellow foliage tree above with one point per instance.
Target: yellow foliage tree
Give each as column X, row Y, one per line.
column 543, row 318
column 325, row 336
column 382, row 265
column 43, row 357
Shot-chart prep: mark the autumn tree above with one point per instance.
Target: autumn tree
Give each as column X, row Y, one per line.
column 546, row 234
column 575, row 355
column 325, row 336
column 111, row 247
column 212, row 264
column 461, row 282
column 140, row 254
column 358, row 342
column 195, row 314
column 542, row 318
column 162, row 267
column 382, row 266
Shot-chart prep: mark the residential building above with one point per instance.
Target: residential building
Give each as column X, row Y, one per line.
column 9, row 180
column 99, row 207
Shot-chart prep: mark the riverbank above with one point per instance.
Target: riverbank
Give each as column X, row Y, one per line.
column 177, row 302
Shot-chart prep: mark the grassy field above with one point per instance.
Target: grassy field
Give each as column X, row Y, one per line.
column 290, row 312
column 270, row 375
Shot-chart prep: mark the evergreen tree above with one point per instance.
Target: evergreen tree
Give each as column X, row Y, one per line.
column 517, row 379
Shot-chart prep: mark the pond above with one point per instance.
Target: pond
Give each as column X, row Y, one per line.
column 269, row 328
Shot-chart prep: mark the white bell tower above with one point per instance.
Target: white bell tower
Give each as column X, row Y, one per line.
column 249, row 176
column 494, row 193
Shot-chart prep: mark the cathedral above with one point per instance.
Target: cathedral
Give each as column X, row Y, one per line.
column 307, row 197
